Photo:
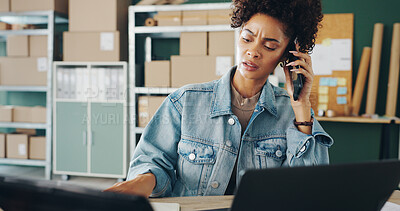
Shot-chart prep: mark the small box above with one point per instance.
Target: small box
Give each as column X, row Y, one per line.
column 5, row 26
column 157, row 74
column 193, row 44
column 105, row 15
column 33, row 70
column 5, row 6
column 22, row 114
column 94, row 46
column 38, row 114
column 219, row 17
column 168, row 18
column 148, row 105
column 37, row 147
column 18, row 45
column 2, row 145
column 17, row 146
column 221, row 43
column 6, row 113
column 39, row 5
column 197, row 17
column 38, row 46
column 31, row 132
column 202, row 69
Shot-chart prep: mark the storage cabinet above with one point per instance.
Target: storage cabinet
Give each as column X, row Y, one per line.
column 90, row 119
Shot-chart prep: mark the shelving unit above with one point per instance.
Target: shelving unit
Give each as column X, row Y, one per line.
column 50, row 18
column 90, row 119
column 159, row 32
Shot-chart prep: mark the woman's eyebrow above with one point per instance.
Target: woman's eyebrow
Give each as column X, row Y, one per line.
column 266, row 39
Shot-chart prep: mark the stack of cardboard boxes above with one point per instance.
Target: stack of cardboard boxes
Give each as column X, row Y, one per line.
column 23, row 145
column 100, row 36
column 204, row 56
column 26, row 61
column 36, row 114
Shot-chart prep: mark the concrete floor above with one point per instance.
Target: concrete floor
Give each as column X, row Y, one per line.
column 38, row 173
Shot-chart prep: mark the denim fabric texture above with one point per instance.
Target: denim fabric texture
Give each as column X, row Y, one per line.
column 192, row 142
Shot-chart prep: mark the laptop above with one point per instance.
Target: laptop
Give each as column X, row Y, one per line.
column 362, row 186
column 27, row 194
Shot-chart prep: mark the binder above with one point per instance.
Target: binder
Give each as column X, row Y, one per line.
column 60, row 83
column 86, row 83
column 121, row 85
column 79, row 84
column 107, row 83
column 101, row 83
column 72, row 83
column 94, row 88
column 114, row 83
column 66, row 84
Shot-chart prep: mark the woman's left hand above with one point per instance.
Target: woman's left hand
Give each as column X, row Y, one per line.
column 305, row 65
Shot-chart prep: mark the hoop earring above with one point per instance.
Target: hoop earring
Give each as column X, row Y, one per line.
column 281, row 64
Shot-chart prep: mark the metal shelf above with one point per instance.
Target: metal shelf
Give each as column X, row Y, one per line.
column 23, row 125
column 32, row 17
column 24, row 32
column 169, row 29
column 139, row 130
column 24, row 88
column 154, row 90
column 23, row 162
column 186, row 7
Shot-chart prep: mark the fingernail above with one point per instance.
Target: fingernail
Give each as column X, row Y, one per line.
column 293, row 52
column 294, row 70
column 290, row 64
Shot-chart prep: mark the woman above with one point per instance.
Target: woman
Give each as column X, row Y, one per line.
column 204, row 136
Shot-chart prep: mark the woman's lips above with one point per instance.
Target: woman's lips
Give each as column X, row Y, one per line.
column 249, row 66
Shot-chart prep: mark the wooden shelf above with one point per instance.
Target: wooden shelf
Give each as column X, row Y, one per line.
column 380, row 120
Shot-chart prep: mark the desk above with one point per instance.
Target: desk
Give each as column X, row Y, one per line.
column 386, row 122
column 216, row 202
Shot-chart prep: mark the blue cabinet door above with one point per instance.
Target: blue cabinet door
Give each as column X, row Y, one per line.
column 107, row 125
column 71, row 137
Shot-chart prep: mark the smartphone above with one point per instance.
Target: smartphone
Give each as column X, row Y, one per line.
column 297, row 79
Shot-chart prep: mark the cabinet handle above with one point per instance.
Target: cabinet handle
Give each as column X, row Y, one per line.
column 91, row 138
column 84, row 138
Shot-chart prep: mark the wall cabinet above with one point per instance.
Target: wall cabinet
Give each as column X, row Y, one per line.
column 90, row 119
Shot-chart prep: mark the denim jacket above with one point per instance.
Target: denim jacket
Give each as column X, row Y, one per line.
column 192, row 142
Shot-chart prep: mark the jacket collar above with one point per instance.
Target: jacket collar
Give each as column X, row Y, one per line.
column 221, row 100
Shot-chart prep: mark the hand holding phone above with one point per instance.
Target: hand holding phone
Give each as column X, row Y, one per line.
column 297, row 79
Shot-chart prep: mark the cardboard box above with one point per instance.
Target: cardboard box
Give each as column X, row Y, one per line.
column 193, row 44
column 38, row 46
column 6, row 113
column 18, row 71
column 219, row 17
column 191, row 18
column 38, row 114
column 221, row 43
column 98, row 15
column 94, row 46
column 157, row 74
column 39, row 5
column 17, row 146
column 31, row 132
column 2, row 145
column 22, row 114
column 5, row 26
column 168, row 18
column 18, row 45
column 4, row 5
column 148, row 105
column 198, row 69
column 37, row 147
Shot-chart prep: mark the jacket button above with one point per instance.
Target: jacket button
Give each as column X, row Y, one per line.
column 229, row 143
column 192, row 156
column 215, row 184
column 231, row 121
column 278, row 153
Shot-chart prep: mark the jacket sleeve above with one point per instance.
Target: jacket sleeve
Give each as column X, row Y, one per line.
column 307, row 150
column 156, row 151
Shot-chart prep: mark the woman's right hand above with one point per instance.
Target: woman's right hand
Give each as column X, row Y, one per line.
column 142, row 185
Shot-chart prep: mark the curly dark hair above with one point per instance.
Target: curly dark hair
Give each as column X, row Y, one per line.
column 301, row 18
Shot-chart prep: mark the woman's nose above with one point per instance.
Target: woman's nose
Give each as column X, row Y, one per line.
column 253, row 53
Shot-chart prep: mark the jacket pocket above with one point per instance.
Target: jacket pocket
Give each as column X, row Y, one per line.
column 270, row 152
column 195, row 164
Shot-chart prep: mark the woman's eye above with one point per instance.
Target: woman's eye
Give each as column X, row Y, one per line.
column 272, row 49
column 246, row 40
